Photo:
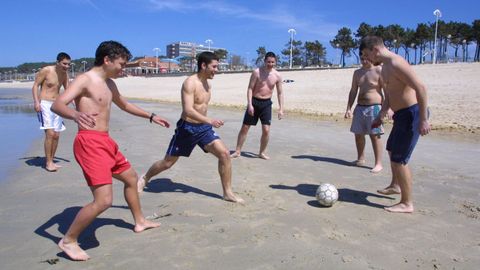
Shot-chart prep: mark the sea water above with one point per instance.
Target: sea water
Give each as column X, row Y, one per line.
column 18, row 128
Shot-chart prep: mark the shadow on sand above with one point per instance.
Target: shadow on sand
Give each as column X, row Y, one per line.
column 87, row 239
column 40, row 161
column 160, row 185
column 330, row 160
column 246, row 154
column 344, row 195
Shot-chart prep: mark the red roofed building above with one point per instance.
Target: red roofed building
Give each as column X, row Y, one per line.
column 148, row 65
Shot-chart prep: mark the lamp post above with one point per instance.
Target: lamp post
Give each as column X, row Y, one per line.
column 437, row 14
column 84, row 63
column 73, row 69
column 209, row 42
column 464, row 42
column 156, row 50
column 412, row 45
column 446, row 46
column 15, row 71
column 292, row 33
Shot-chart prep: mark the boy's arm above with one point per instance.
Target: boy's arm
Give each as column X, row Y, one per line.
column 38, row 82
column 251, row 86
column 279, row 86
column 188, row 95
column 352, row 95
column 406, row 74
column 131, row 108
column 60, row 106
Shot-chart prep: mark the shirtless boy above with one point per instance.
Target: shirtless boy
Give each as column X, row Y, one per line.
column 50, row 79
column 406, row 95
column 195, row 128
column 259, row 93
column 97, row 154
column 367, row 84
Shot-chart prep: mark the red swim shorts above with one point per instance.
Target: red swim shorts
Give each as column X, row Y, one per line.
column 98, row 156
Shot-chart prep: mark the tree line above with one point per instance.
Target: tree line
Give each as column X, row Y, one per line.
column 419, row 42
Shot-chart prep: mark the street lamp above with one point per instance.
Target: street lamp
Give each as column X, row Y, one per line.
column 15, row 71
column 292, row 33
column 156, row 50
column 412, row 45
column 84, row 63
column 73, row 69
column 209, row 43
column 464, row 42
column 437, row 14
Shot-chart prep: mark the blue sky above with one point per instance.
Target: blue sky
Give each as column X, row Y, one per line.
column 36, row 30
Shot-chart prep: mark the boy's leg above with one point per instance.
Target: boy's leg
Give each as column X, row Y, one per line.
column 377, row 151
column 49, row 146
column 129, row 179
column 360, row 144
column 242, row 136
column 404, row 179
column 218, row 149
column 102, row 200
column 394, row 187
column 264, row 141
column 156, row 168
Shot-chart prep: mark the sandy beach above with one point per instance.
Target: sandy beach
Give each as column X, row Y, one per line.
column 281, row 226
column 453, row 89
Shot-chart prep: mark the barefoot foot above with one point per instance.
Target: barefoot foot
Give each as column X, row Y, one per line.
column 73, row 251
column 389, row 191
column 263, row 156
column 359, row 162
column 376, row 169
column 400, row 208
column 235, row 154
column 145, row 225
column 230, row 197
column 141, row 183
column 51, row 168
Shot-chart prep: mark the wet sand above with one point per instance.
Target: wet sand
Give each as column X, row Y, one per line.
column 280, row 227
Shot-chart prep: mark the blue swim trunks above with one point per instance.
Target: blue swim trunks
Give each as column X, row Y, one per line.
column 404, row 135
column 262, row 109
column 188, row 135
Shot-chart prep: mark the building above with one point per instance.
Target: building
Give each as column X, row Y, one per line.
column 182, row 48
column 148, row 65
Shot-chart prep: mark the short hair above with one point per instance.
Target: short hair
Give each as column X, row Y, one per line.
column 369, row 42
column 207, row 58
column 270, row 54
column 113, row 50
column 62, row 56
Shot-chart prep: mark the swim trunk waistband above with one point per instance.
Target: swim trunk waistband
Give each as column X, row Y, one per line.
column 408, row 109
column 182, row 121
column 375, row 104
column 261, row 99
column 96, row 132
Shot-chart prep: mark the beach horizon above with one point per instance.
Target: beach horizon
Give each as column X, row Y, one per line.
column 453, row 90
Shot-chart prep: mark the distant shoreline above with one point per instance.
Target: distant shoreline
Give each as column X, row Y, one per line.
column 453, row 89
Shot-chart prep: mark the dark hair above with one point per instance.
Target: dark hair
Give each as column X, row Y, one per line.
column 369, row 42
column 270, row 54
column 113, row 50
column 62, row 56
column 207, row 58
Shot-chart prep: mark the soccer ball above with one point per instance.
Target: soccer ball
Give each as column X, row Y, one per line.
column 327, row 194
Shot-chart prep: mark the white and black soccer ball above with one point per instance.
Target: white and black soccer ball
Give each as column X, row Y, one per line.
column 327, row 194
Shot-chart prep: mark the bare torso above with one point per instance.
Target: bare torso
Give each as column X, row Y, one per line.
column 400, row 95
column 201, row 96
column 265, row 82
column 52, row 82
column 370, row 85
column 96, row 100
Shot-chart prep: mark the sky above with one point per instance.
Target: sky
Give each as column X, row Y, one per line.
column 36, row 30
